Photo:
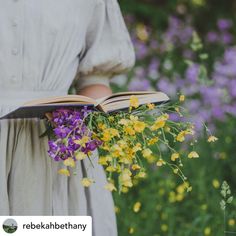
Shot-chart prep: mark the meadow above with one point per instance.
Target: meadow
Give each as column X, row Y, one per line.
column 185, row 47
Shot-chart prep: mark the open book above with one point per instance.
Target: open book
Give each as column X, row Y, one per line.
column 114, row 102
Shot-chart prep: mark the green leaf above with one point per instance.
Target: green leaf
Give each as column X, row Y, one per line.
column 228, row 191
column 223, row 193
column 203, row 56
column 188, row 62
column 222, row 204
column 230, row 199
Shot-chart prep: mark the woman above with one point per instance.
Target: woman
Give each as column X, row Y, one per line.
column 44, row 46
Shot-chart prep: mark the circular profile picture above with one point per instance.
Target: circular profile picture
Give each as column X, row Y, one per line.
column 9, row 226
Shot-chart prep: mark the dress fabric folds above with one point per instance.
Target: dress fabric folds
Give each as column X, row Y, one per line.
column 44, row 46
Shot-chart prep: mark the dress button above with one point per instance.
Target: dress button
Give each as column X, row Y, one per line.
column 14, row 51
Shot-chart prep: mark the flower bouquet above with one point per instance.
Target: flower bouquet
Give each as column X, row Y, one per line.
column 124, row 140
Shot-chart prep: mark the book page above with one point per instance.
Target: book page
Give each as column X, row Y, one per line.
column 123, row 94
column 124, row 102
column 73, row 99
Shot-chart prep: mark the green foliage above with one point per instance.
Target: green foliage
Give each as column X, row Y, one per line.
column 166, row 205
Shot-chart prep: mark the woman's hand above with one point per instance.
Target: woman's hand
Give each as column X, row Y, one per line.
column 95, row 91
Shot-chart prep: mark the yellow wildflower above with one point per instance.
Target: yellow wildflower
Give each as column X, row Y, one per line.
column 165, row 116
column 193, row 154
column 189, row 189
column 133, row 118
column 131, row 230
column 136, row 167
column 164, row 228
column 137, row 147
column 114, row 132
column 134, row 101
column 117, row 209
column 181, row 98
column 136, row 207
column 189, row 132
column 176, row 171
column 180, row 189
column 146, row 152
column 109, row 158
column 153, row 141
column 122, row 143
column 151, row 159
column 124, row 189
column 125, row 178
column 110, row 187
column 82, row 141
column 80, row 156
column 181, row 136
column 123, row 122
column 101, row 126
column 106, row 136
column 177, row 109
column 212, row 139
column 207, row 231
column 64, row 172
column 172, row 197
column 111, row 169
column 69, row 162
column 111, row 118
column 160, row 162
column 179, row 197
column 116, row 151
column 167, row 129
column 86, row 182
column 215, row 183
column 139, row 126
column 151, row 106
column 102, row 160
column 231, row 222
column 142, row 32
column 141, row 174
column 174, row 156
column 129, row 130
column 158, row 124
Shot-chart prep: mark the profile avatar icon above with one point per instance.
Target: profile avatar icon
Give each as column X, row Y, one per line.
column 9, row 226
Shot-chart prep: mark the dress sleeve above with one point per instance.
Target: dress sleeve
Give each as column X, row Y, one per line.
column 108, row 49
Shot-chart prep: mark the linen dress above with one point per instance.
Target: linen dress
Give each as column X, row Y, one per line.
column 44, row 46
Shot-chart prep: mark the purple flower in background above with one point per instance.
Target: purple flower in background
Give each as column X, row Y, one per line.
column 178, row 32
column 193, row 105
column 232, row 88
column 224, row 24
column 154, row 44
column 167, row 87
column 140, row 72
column 153, row 68
column 141, row 49
column 139, row 84
column 212, row 37
column 188, row 54
column 192, row 72
column 226, row 38
column 161, row 57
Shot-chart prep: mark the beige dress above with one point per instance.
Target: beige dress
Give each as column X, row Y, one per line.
column 44, row 45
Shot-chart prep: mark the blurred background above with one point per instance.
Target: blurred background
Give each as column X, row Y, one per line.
column 188, row 47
